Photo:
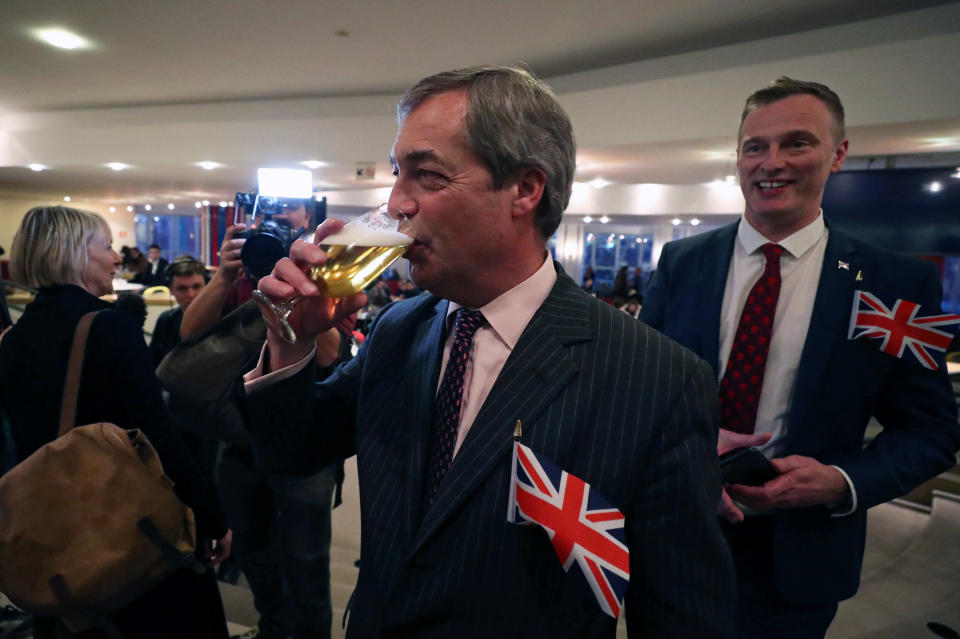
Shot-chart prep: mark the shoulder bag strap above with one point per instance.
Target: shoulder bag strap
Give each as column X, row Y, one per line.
column 71, row 386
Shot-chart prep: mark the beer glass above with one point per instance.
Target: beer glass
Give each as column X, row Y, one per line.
column 356, row 255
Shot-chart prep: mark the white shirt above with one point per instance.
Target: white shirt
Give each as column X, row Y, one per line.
column 505, row 318
column 800, row 267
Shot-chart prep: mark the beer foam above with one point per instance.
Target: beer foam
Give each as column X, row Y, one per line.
column 357, row 235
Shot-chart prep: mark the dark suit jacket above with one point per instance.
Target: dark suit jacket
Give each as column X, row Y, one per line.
column 840, row 384
column 148, row 279
column 166, row 334
column 598, row 393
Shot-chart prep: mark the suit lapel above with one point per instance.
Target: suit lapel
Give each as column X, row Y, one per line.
column 713, row 267
column 536, row 371
column 419, row 397
column 828, row 324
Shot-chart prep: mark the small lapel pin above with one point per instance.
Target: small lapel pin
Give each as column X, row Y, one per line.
column 517, row 431
column 843, row 265
column 859, row 277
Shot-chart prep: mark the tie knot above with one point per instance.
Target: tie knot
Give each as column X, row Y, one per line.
column 467, row 322
column 772, row 252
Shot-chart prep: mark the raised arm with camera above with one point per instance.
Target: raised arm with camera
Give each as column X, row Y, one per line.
column 205, row 311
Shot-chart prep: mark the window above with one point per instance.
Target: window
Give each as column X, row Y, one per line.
column 607, row 252
column 176, row 235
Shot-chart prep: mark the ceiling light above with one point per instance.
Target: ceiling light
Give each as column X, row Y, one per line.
column 156, row 219
column 621, row 237
column 148, row 208
column 66, row 199
column 314, row 164
column 117, row 166
column 955, row 176
column 935, row 187
column 639, row 240
column 61, row 38
column 604, row 219
column 695, row 222
column 675, row 221
column 208, row 166
column 170, row 206
column 198, row 204
column 129, row 208
column 113, row 209
column 223, row 204
column 587, row 219
column 599, row 183
column 206, row 202
column 36, row 167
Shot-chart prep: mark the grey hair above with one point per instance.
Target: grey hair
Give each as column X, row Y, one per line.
column 784, row 87
column 513, row 122
column 51, row 245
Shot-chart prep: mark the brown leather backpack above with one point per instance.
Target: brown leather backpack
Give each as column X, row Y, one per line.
column 89, row 522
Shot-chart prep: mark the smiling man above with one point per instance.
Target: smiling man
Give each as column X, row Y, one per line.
column 767, row 302
column 503, row 346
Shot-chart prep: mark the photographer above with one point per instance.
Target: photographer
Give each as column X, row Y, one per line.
column 281, row 523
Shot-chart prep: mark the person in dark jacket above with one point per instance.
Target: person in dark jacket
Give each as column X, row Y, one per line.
column 67, row 254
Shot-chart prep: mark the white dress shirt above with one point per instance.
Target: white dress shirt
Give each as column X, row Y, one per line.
column 505, row 318
column 800, row 267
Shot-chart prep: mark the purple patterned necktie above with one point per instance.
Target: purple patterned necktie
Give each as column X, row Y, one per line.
column 446, row 423
column 743, row 380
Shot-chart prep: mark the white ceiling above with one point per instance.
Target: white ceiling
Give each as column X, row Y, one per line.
column 654, row 87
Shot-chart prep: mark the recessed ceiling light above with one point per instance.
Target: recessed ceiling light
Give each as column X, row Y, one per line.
column 223, row 204
column 62, row 39
column 170, row 206
column 206, row 202
column 695, row 222
column 935, row 187
column 117, row 166
column 620, row 237
column 956, row 176
column 675, row 221
column 604, row 219
column 314, row 164
column 197, row 204
column 208, row 166
column 599, row 183
column 587, row 219
column 113, row 209
column 148, row 208
column 36, row 167
column 156, row 219
column 129, row 208
column 66, row 198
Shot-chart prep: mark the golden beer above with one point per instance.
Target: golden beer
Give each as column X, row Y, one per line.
column 355, row 257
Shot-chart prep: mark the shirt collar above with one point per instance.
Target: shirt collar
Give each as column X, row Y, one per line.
column 510, row 313
column 796, row 245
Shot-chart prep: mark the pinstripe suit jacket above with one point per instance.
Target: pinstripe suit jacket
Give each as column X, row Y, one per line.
column 606, row 398
column 839, row 385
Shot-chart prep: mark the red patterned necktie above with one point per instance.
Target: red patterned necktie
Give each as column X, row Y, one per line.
column 743, row 379
column 446, row 423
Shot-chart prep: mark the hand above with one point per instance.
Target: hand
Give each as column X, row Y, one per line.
column 726, row 441
column 230, row 263
column 803, row 481
column 314, row 314
column 217, row 550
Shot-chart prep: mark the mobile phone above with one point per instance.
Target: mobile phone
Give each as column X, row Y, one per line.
column 746, row 466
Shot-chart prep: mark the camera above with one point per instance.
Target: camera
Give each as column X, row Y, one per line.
column 273, row 225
